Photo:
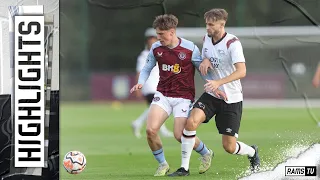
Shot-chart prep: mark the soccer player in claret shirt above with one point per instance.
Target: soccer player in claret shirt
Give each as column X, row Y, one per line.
column 175, row 91
column 148, row 90
column 224, row 62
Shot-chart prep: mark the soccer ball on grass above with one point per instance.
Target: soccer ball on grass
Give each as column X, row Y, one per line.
column 74, row 162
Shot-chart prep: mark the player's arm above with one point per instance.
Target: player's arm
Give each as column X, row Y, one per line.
column 139, row 67
column 316, row 77
column 205, row 64
column 238, row 61
column 239, row 73
column 197, row 60
column 141, row 60
column 138, row 93
column 137, row 76
column 147, row 68
column 145, row 72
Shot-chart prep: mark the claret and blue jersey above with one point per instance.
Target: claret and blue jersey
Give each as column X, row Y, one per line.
column 176, row 68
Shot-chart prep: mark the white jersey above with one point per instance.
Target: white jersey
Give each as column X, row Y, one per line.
column 150, row 86
column 223, row 55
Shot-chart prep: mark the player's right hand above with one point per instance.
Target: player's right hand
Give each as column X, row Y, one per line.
column 136, row 87
column 204, row 66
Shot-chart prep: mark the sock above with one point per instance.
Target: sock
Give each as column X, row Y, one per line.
column 159, row 155
column 202, row 149
column 188, row 140
column 141, row 119
column 243, row 149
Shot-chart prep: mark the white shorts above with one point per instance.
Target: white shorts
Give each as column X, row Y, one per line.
column 180, row 107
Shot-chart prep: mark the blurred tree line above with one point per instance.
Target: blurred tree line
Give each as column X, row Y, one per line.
column 107, row 35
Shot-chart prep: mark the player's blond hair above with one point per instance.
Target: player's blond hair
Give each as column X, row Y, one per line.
column 216, row 14
column 165, row 22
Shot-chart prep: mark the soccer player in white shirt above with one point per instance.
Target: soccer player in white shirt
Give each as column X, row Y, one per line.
column 316, row 77
column 148, row 90
column 223, row 66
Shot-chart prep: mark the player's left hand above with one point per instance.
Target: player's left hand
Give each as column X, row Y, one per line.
column 221, row 94
column 211, row 85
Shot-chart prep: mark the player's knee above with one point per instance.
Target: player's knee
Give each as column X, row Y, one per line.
column 191, row 124
column 151, row 132
column 229, row 147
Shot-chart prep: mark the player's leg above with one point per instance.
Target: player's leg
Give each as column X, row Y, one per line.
column 189, row 140
column 179, row 124
column 156, row 118
column 180, row 109
column 137, row 124
column 228, row 123
column 165, row 132
column 181, row 113
column 158, row 113
column 232, row 146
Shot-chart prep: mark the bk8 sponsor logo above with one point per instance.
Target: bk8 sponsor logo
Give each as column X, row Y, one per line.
column 172, row 68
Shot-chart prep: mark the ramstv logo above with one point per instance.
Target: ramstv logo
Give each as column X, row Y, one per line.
column 171, row 68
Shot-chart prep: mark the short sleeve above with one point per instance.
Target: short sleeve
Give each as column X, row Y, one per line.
column 235, row 50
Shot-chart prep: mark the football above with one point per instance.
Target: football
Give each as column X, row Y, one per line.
column 74, row 162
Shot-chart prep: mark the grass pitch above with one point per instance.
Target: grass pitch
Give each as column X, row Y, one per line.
column 103, row 133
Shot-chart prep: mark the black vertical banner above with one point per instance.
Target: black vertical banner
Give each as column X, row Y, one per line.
column 5, row 134
column 51, row 172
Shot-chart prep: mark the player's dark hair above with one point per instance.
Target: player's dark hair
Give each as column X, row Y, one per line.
column 165, row 22
column 216, row 14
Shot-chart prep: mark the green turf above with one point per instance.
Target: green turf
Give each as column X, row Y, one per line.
column 103, row 133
